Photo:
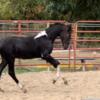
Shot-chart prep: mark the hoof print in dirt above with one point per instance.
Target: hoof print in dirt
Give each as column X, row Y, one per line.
column 54, row 81
column 65, row 81
column 1, row 90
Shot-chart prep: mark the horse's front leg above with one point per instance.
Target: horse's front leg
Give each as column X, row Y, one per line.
column 58, row 74
column 55, row 64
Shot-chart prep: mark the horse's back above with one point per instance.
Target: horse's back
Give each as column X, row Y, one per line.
column 18, row 46
column 16, row 41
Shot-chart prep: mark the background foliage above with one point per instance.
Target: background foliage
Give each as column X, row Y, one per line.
column 70, row 10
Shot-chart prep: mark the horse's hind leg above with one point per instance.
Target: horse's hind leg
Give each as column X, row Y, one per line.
column 11, row 72
column 2, row 66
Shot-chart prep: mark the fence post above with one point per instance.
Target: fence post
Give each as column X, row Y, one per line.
column 19, row 33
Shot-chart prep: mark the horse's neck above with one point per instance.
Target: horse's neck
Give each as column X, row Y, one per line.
column 52, row 34
column 52, row 37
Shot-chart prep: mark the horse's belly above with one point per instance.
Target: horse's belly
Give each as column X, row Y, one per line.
column 27, row 55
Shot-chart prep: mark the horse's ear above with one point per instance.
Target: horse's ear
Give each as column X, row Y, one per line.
column 69, row 26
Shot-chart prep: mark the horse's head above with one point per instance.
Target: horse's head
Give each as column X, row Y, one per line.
column 65, row 35
column 61, row 30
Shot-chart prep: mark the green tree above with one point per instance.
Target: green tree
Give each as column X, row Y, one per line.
column 70, row 10
column 27, row 9
column 73, row 10
column 5, row 9
column 86, row 9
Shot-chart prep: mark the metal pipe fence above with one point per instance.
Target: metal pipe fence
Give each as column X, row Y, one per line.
column 85, row 41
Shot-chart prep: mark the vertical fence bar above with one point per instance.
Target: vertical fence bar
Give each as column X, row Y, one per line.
column 19, row 33
column 48, row 24
column 19, row 28
column 74, row 43
column 69, row 55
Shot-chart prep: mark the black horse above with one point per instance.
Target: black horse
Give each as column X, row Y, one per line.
column 39, row 46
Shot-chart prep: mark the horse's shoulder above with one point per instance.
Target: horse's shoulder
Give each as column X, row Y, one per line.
column 45, row 42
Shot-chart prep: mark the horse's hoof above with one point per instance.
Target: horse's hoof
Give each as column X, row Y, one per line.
column 54, row 81
column 1, row 90
column 65, row 81
column 24, row 90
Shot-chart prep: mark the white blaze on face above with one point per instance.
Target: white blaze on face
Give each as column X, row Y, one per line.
column 42, row 33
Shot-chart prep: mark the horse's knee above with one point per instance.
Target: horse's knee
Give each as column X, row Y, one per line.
column 51, row 60
column 56, row 63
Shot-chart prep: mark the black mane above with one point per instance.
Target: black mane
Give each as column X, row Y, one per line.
column 51, row 25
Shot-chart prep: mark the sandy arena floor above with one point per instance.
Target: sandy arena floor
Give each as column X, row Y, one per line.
column 81, row 86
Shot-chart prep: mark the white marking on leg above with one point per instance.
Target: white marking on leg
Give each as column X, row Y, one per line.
column 57, row 74
column 20, row 86
column 42, row 33
column 58, row 71
column 48, row 69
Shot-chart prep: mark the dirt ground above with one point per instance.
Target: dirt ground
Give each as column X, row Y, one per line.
column 81, row 86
